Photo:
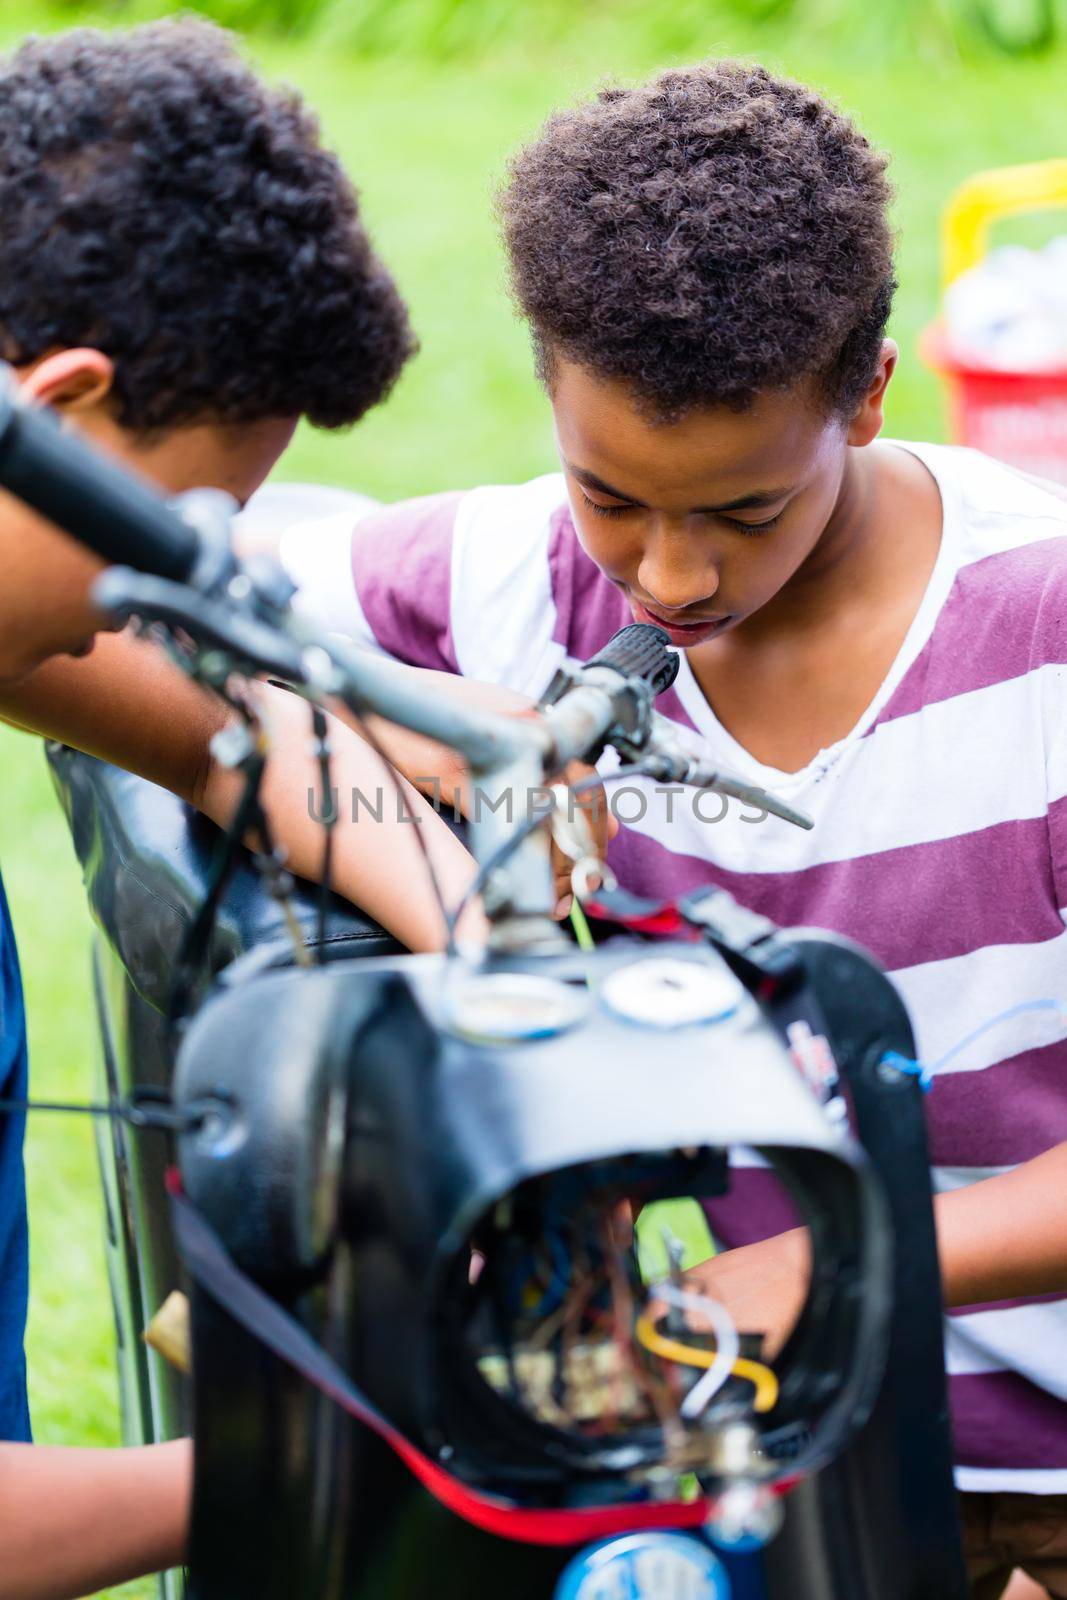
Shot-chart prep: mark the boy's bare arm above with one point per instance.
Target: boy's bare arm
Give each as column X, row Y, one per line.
column 438, row 770
column 1000, row 1239
column 128, row 704
column 1006, row 1236
column 76, row 1521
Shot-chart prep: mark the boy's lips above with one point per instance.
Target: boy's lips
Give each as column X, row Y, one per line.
column 680, row 633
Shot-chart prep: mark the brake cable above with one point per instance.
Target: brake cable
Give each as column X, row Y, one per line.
column 146, row 1108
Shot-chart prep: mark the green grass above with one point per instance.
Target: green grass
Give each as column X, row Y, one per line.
column 426, row 142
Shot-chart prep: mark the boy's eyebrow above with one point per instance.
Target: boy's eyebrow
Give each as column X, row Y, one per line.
column 591, row 481
column 744, row 502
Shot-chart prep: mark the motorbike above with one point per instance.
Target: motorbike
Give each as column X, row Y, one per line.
column 425, row 1209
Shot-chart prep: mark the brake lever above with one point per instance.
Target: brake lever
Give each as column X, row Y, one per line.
column 667, row 757
column 703, row 776
column 252, row 644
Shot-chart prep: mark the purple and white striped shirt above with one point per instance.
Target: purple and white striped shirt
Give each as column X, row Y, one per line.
column 940, row 841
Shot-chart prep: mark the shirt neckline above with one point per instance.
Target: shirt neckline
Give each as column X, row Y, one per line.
column 922, row 624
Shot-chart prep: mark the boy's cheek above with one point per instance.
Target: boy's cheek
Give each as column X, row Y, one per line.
column 46, row 603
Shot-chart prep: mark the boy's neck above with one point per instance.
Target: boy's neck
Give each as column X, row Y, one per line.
column 881, row 539
column 235, row 457
column 797, row 676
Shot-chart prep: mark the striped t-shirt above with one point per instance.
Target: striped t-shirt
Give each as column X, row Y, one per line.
column 940, row 839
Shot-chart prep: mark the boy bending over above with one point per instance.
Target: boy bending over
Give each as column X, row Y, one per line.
column 876, row 631
column 183, row 275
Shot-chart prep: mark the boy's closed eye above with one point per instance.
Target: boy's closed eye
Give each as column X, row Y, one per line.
column 618, row 508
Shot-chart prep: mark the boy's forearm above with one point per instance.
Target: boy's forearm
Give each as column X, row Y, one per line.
column 128, row 704
column 1006, row 1236
column 1000, row 1239
column 436, row 768
column 76, row 1521
column 377, row 861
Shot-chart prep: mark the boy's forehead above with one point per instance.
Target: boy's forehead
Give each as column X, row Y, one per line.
column 706, row 457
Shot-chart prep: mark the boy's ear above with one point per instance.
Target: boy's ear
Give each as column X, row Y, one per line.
column 70, row 380
column 866, row 425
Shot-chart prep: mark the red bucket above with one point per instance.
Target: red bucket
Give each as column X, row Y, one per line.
column 1019, row 417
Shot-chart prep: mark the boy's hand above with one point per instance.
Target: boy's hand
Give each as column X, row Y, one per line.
column 603, row 826
column 593, row 806
column 998, row 1239
column 763, row 1286
column 439, row 771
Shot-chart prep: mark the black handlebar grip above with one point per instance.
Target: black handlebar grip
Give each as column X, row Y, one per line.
column 640, row 651
column 82, row 492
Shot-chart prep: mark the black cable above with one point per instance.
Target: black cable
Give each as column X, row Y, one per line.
column 367, row 733
column 161, row 1117
column 485, row 872
column 11, row 1107
column 329, row 814
column 250, row 817
column 195, row 941
column 523, row 832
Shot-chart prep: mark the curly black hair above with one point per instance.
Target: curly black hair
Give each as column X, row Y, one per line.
column 160, row 203
column 714, row 234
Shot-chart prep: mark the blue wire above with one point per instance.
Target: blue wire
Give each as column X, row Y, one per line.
column 910, row 1068
column 925, row 1073
column 560, row 1277
column 1002, row 1016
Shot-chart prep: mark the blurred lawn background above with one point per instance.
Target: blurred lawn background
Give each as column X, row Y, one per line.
column 424, row 99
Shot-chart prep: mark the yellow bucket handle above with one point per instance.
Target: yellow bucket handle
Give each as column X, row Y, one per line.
column 999, row 192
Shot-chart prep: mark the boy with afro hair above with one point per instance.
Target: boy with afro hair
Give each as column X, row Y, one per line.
column 183, row 275
column 875, row 630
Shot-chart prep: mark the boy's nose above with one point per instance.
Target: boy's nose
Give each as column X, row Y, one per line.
column 677, row 585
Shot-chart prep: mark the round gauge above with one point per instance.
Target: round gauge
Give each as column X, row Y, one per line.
column 502, row 1007
column 646, row 1566
column 667, row 992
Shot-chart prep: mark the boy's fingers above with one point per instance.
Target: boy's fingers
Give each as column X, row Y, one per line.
column 593, row 804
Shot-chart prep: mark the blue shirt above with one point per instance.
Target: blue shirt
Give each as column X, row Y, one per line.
column 14, row 1243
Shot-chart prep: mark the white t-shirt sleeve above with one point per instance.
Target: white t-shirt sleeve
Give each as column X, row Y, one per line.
column 456, row 582
column 503, row 607
column 318, row 559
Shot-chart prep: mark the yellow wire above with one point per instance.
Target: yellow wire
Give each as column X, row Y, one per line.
column 762, row 1378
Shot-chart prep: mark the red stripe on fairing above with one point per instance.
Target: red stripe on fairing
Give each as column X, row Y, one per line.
column 1001, row 1420
column 978, row 640
column 402, row 567
column 211, row 1265
column 909, row 905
